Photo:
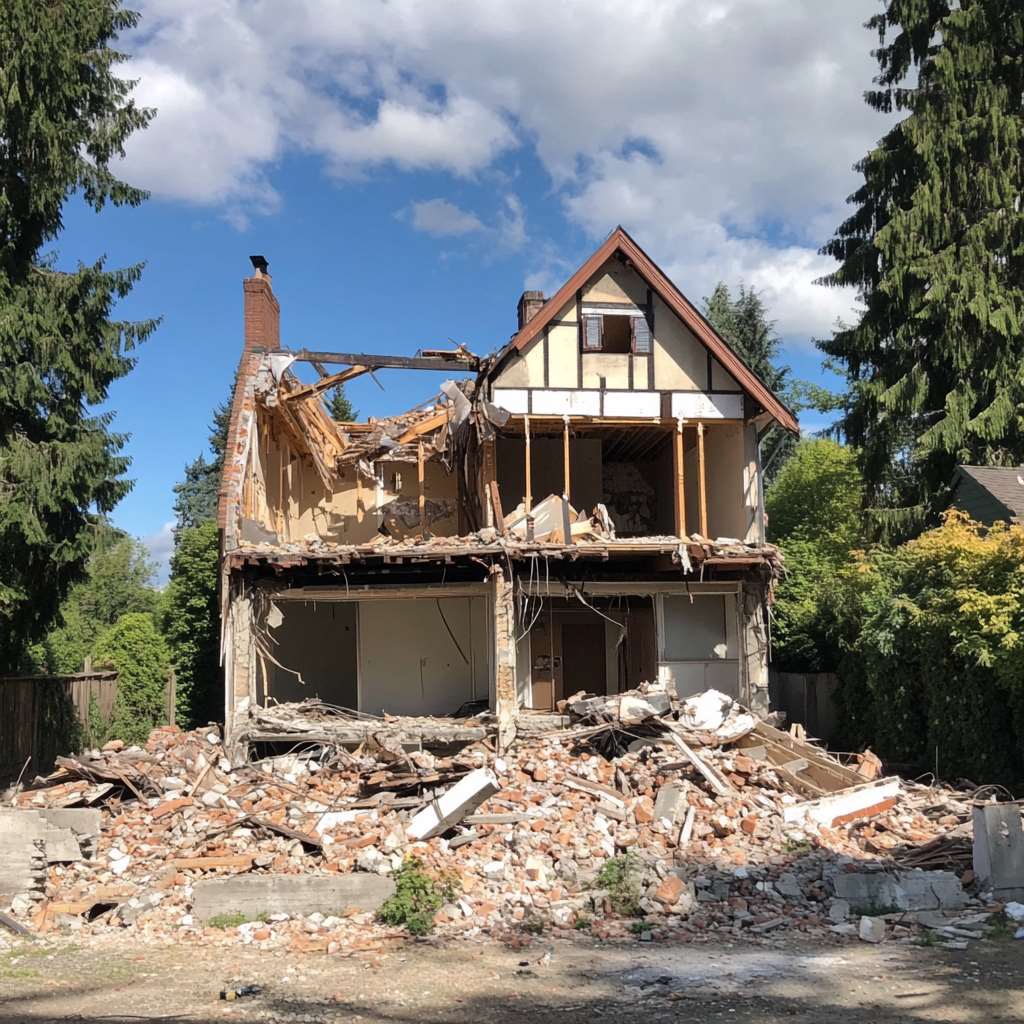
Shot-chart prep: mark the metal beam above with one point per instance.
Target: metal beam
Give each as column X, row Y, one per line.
column 457, row 362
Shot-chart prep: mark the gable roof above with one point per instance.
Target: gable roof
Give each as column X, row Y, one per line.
column 1004, row 483
column 620, row 241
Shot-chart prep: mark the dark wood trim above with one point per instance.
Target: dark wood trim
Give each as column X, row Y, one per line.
column 619, row 241
column 547, row 357
column 650, row 355
column 710, row 372
column 579, row 346
column 631, row 306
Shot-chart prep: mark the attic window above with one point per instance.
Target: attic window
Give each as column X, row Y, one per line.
column 615, row 333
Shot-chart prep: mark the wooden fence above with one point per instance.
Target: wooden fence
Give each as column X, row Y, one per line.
column 807, row 698
column 42, row 717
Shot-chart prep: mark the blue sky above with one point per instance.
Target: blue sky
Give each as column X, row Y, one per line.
column 408, row 168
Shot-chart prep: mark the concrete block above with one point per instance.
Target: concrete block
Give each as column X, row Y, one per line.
column 253, row 895
column 454, row 804
column 900, row 890
column 22, row 866
column 872, row 929
column 999, row 849
column 670, row 803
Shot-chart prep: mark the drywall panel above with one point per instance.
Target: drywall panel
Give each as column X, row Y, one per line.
column 689, row 678
column 560, row 403
column 730, row 510
column 697, row 405
column 632, row 404
column 680, row 360
column 700, row 628
column 409, row 663
column 316, row 647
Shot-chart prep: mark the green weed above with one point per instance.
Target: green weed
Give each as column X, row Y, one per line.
column 417, row 897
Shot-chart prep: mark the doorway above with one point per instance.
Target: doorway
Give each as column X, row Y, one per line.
column 583, row 658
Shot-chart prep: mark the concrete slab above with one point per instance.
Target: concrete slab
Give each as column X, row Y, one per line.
column 999, row 848
column 881, row 891
column 253, row 895
column 454, row 804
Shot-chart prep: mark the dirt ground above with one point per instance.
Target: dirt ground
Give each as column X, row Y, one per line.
column 545, row 980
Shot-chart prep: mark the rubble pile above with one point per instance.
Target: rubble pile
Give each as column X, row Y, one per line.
column 690, row 801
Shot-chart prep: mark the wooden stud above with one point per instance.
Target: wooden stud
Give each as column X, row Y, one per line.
column 565, row 455
column 680, row 468
column 359, row 496
column 528, row 500
column 490, row 473
column 419, row 484
column 499, row 515
column 702, row 482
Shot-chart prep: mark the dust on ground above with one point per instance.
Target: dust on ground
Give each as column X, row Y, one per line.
column 569, row 981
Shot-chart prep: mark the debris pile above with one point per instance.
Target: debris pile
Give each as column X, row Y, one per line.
column 645, row 814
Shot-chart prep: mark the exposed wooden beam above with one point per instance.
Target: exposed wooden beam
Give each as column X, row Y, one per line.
column 421, row 492
column 489, row 473
column 528, row 499
column 565, row 457
column 499, row 514
column 326, row 383
column 702, row 481
column 424, row 427
column 680, row 474
column 458, row 361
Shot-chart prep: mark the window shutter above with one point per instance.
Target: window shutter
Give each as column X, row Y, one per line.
column 593, row 330
column 640, row 333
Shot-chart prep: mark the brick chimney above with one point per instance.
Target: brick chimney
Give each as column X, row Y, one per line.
column 261, row 310
column 261, row 332
column 529, row 303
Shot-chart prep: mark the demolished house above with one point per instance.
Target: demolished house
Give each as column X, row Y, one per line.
column 580, row 510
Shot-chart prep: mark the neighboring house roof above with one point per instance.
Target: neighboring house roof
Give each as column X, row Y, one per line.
column 620, row 241
column 990, row 493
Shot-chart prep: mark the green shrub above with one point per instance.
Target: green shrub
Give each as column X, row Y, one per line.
column 620, row 877
column 417, row 897
column 135, row 648
column 932, row 642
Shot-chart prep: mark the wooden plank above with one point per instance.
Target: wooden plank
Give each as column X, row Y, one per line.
column 424, row 427
column 680, row 470
column 702, row 481
column 325, row 383
column 457, row 360
column 241, row 860
column 715, row 778
column 421, row 495
column 528, row 499
column 499, row 517
column 565, row 458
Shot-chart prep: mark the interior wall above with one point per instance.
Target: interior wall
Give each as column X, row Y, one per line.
column 640, row 493
column 408, row 662
column 700, row 644
column 547, row 471
column 318, row 641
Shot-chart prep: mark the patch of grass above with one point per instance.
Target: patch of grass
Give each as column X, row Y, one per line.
column 582, row 924
column 227, row 920
column 417, row 897
column 620, row 878
column 928, row 938
column 798, row 846
column 1001, row 929
column 533, row 925
column 638, row 928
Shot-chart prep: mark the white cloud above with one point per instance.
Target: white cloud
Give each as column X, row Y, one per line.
column 161, row 546
column 721, row 135
column 441, row 218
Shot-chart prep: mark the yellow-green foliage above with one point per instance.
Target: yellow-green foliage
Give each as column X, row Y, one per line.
column 932, row 634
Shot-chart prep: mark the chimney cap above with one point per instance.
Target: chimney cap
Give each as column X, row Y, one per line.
column 260, row 264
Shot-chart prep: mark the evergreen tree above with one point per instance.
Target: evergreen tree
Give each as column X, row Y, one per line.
column 64, row 118
column 195, row 498
column 743, row 322
column 340, row 407
column 936, row 251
